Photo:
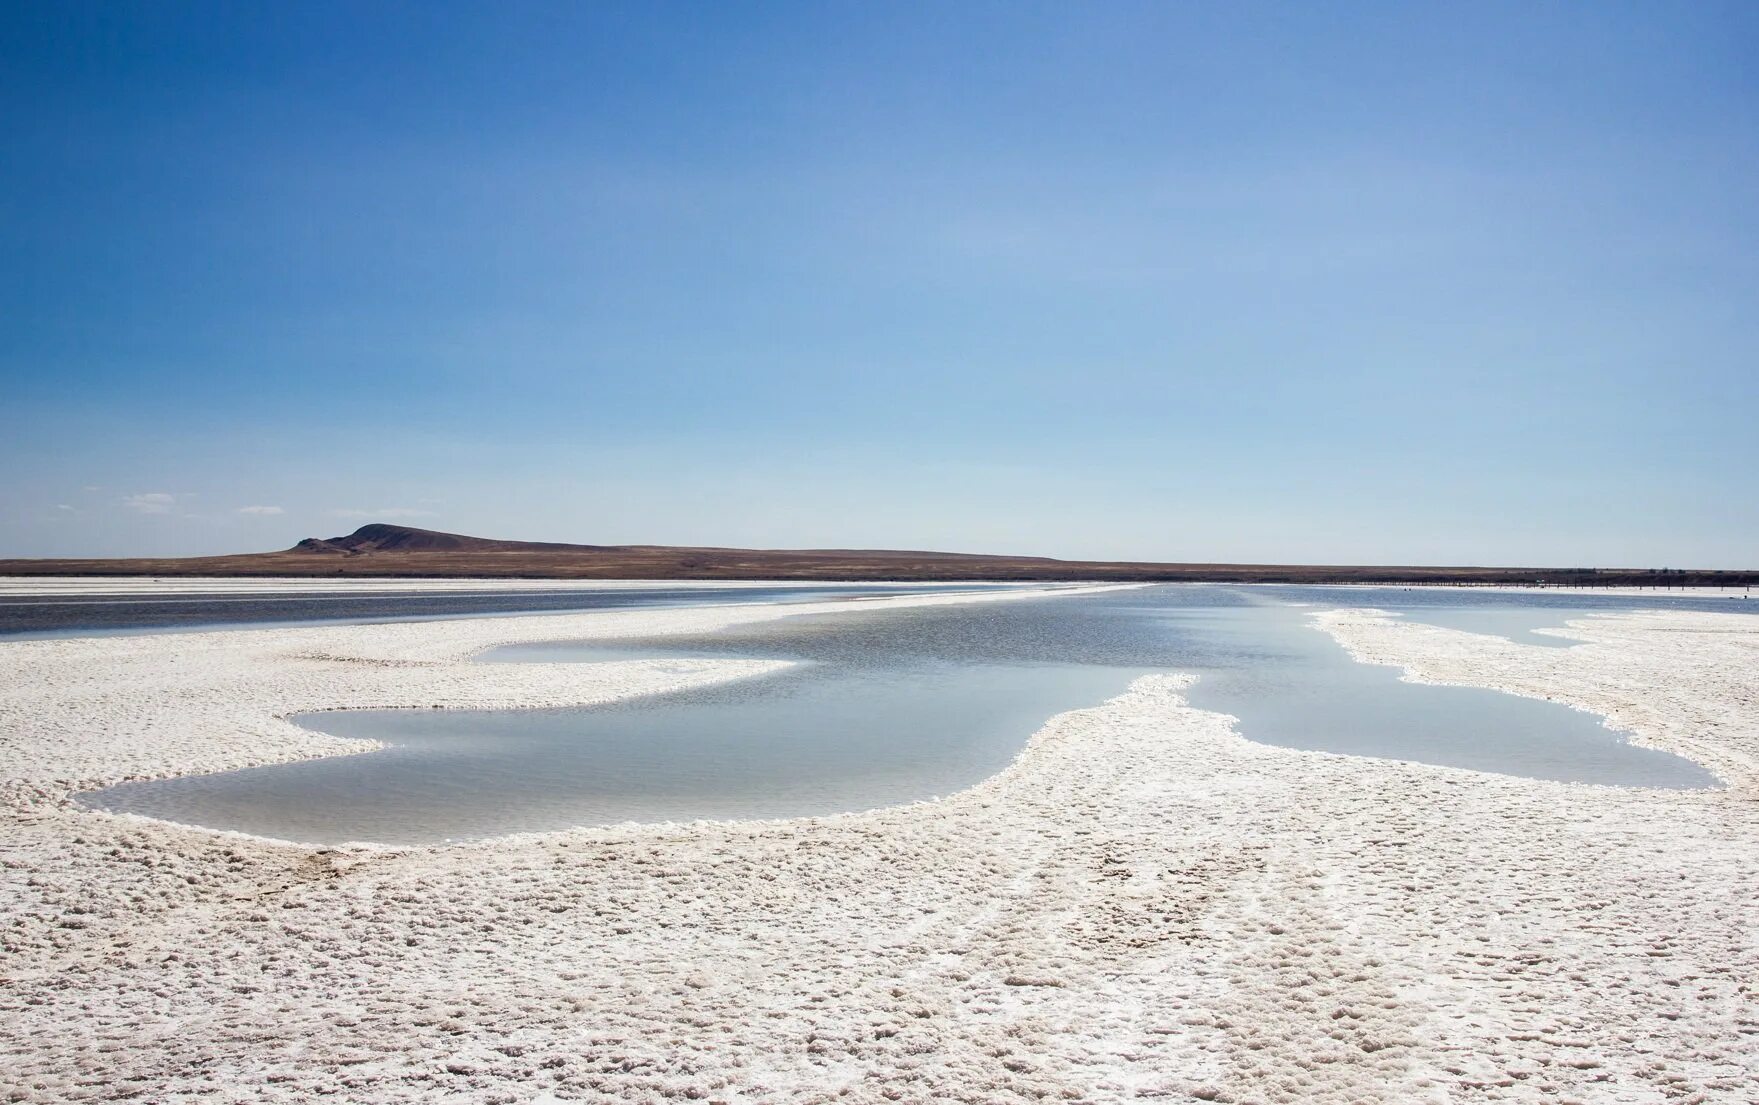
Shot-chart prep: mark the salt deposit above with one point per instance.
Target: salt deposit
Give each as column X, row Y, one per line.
column 1143, row 905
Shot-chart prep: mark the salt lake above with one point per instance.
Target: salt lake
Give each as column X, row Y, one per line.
column 883, row 707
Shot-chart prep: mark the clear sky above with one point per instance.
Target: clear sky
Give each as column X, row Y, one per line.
column 1365, row 283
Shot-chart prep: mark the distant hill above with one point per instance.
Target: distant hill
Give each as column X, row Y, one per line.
column 381, row 537
column 382, row 549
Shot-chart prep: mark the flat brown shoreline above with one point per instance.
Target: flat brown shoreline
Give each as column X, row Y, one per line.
column 399, row 551
column 784, row 566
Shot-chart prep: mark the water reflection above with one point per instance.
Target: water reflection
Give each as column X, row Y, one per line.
column 884, row 706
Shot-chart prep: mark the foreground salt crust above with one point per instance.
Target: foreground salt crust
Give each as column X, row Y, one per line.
column 1143, row 905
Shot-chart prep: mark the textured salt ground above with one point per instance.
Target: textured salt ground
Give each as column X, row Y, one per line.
column 1143, row 906
column 1559, row 589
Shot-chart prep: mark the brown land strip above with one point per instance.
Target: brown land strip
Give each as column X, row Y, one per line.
column 402, row 551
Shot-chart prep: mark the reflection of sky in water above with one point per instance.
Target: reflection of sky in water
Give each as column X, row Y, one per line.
column 1516, row 625
column 892, row 706
column 27, row 616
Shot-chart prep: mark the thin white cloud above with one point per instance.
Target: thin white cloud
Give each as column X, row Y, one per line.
column 151, row 502
column 261, row 511
column 384, row 512
column 69, row 509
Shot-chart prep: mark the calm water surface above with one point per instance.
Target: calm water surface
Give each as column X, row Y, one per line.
column 885, row 707
column 34, row 616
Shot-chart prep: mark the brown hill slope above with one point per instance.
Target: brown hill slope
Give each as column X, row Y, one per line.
column 382, row 537
column 384, row 550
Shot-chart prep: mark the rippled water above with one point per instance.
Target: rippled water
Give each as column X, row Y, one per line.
column 895, row 705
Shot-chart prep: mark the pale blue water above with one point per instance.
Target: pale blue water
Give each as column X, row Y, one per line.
column 1520, row 626
column 892, row 706
column 97, row 615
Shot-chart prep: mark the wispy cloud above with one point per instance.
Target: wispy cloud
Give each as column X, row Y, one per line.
column 384, row 512
column 261, row 511
column 150, row 502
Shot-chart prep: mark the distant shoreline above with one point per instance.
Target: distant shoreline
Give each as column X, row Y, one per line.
column 517, row 567
column 123, row 584
column 384, row 551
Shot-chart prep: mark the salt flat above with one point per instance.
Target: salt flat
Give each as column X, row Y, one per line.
column 1544, row 589
column 1143, row 905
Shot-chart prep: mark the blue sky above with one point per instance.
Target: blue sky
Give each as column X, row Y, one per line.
column 1364, row 283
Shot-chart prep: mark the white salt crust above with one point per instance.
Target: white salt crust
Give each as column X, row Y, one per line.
column 1564, row 589
column 1143, row 906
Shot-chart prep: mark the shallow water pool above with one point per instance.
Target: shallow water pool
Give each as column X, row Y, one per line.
column 880, row 708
